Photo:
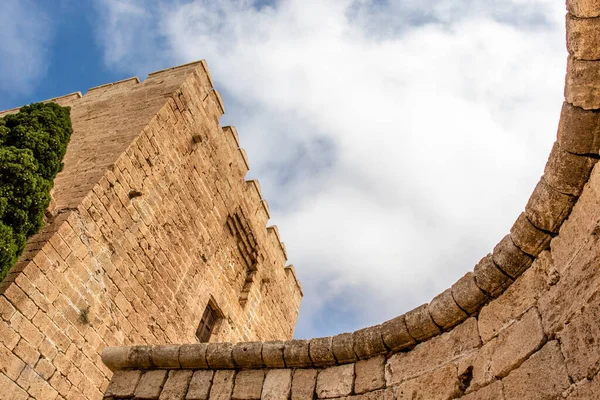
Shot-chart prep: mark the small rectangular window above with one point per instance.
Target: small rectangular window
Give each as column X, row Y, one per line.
column 207, row 323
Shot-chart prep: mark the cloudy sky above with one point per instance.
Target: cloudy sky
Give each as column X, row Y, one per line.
column 396, row 141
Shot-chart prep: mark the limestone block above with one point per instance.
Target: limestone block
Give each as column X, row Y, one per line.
column 467, row 294
column 278, row 384
column 442, row 384
column 248, row 385
column 489, row 278
column 582, row 84
column 584, row 8
column 248, row 354
column 295, row 353
column 165, row 356
column 343, row 348
column 420, row 325
column 441, row 350
column 335, row 382
column 567, row 172
column 512, row 346
column 516, row 300
column 123, row 383
column 579, row 130
column 272, row 354
column 200, row 385
column 510, row 259
column 219, row 355
column 303, row 384
column 495, row 391
column 368, row 342
column 395, row 334
column 370, row 375
column 587, row 391
column 11, row 390
column 583, row 36
column 528, row 238
column 176, row 386
column 444, row 310
column 542, row 376
column 547, row 208
column 222, row 385
column 321, row 352
column 151, row 384
column 140, row 357
column 193, row 355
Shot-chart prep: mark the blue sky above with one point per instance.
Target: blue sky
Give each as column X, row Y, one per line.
column 396, row 141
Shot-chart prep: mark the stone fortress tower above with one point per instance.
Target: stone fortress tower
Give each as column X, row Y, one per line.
column 157, row 241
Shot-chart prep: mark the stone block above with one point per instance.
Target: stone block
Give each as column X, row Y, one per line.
column 444, row 310
column 542, row 376
column 193, row 355
column 200, row 385
column 442, row 383
column 151, row 384
column 321, row 352
column 579, row 130
column 430, row 355
column 467, row 294
column 510, row 259
column 583, row 35
column 582, row 84
column 584, row 8
column 547, row 208
column 222, row 385
column 420, row 325
column 489, row 278
column 303, row 384
column 335, row 382
column 528, row 238
column 395, row 334
column 587, row 390
column 123, row 384
column 295, row 353
column 248, row 354
column 278, row 384
column 567, row 172
column 176, row 386
column 139, row 357
column 516, row 300
column 272, row 354
column 343, row 348
column 370, row 375
column 495, row 391
column 248, row 385
column 368, row 342
column 219, row 355
column 165, row 356
column 11, row 390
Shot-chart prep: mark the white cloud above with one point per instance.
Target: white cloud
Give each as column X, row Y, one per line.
column 396, row 142
column 25, row 30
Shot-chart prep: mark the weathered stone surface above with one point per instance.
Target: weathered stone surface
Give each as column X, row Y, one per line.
column 272, row 354
column 467, row 294
column 587, row 390
column 321, row 352
column 151, row 384
column 248, row 385
column 440, row 384
column 247, row 354
column 547, row 208
column 123, row 383
column 165, row 356
column 444, row 310
column 542, row 376
column 512, row 346
column 579, row 130
column 510, row 259
column 335, row 382
column 583, row 36
column 528, row 238
column 368, row 342
column 10, row 390
column 567, row 172
column 295, row 353
column 516, row 300
column 584, row 8
column 489, row 278
column 219, row 355
column 431, row 355
column 193, row 355
column 303, row 384
column 495, row 391
column 395, row 334
column 278, row 384
column 343, row 348
column 582, row 84
column 200, row 385
column 420, row 325
column 370, row 375
column 176, row 386
column 222, row 385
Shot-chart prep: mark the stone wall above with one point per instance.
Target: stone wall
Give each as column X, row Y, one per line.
column 151, row 219
column 522, row 325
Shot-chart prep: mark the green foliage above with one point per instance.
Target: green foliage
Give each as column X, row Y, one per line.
column 33, row 143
